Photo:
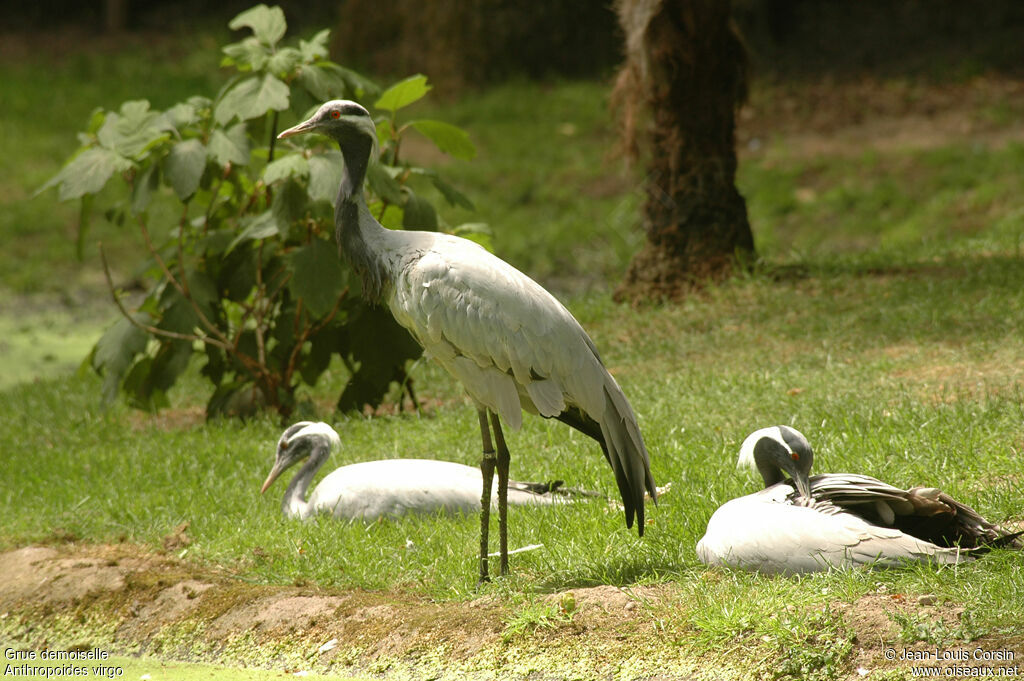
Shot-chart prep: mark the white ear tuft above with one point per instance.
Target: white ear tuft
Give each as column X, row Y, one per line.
column 322, row 429
column 746, row 458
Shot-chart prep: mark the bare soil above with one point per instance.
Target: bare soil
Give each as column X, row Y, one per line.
column 130, row 600
column 854, row 116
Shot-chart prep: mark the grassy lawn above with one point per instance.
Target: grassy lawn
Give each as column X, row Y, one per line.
column 885, row 323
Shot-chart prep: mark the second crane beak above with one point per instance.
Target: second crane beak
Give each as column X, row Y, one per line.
column 305, row 126
column 274, row 472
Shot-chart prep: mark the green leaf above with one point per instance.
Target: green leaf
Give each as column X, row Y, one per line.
column 204, row 292
column 324, row 80
column 215, row 365
column 322, row 345
column 86, row 173
column 267, row 23
column 451, row 194
column 240, row 398
column 96, row 121
column 448, row 138
column 230, row 145
column 383, row 184
column 479, row 232
column 246, row 55
column 180, row 116
column 84, row 218
column 325, row 175
column 237, row 276
column 170, row 361
column 393, row 216
column 145, row 183
column 289, row 205
column 199, row 102
column 292, row 165
column 385, row 131
column 317, row 276
column 418, row 213
column 177, row 313
column 184, row 167
column 403, row 93
column 316, row 47
column 252, row 97
column 380, row 362
column 282, row 62
column 134, row 130
column 359, row 84
column 255, row 227
column 134, row 387
column 115, row 351
column 149, row 380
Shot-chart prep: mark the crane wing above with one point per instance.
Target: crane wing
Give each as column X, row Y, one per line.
column 764, row 532
column 498, row 331
column 924, row 512
column 514, row 346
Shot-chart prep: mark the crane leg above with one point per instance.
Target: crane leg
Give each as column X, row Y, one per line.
column 503, row 461
column 487, row 471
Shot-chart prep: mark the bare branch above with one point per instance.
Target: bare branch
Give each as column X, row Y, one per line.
column 181, row 250
column 259, row 313
column 213, row 202
column 212, row 328
column 309, row 331
column 152, row 330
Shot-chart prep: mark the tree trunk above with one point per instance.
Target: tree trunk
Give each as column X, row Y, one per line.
column 686, row 67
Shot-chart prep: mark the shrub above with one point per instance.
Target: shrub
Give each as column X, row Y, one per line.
column 247, row 274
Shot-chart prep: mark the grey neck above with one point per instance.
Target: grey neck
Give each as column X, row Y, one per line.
column 355, row 228
column 294, row 503
column 769, row 470
column 771, row 474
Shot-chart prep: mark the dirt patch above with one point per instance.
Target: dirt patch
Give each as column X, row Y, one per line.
column 150, row 598
column 911, row 625
column 181, row 418
column 599, row 601
column 941, row 375
column 129, row 600
column 42, row 575
column 849, row 117
column 276, row 613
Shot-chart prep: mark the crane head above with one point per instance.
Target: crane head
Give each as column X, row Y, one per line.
column 777, row 450
column 339, row 119
column 296, row 443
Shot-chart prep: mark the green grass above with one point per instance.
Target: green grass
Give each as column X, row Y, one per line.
column 915, row 390
column 48, row 98
column 885, row 323
column 903, row 205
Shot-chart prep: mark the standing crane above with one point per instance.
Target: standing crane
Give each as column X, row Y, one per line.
column 837, row 520
column 510, row 343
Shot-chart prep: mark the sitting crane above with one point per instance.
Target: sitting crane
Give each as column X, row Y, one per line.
column 836, row 520
column 388, row 487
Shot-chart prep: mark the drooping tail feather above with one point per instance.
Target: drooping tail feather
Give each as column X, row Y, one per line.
column 623, row 448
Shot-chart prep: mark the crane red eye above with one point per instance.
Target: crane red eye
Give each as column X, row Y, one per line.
column 335, row 114
column 284, row 444
column 795, row 456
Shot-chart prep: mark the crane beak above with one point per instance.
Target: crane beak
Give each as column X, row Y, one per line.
column 274, row 472
column 305, row 126
column 803, row 485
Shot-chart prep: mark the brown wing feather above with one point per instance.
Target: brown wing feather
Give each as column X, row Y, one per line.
column 923, row 512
